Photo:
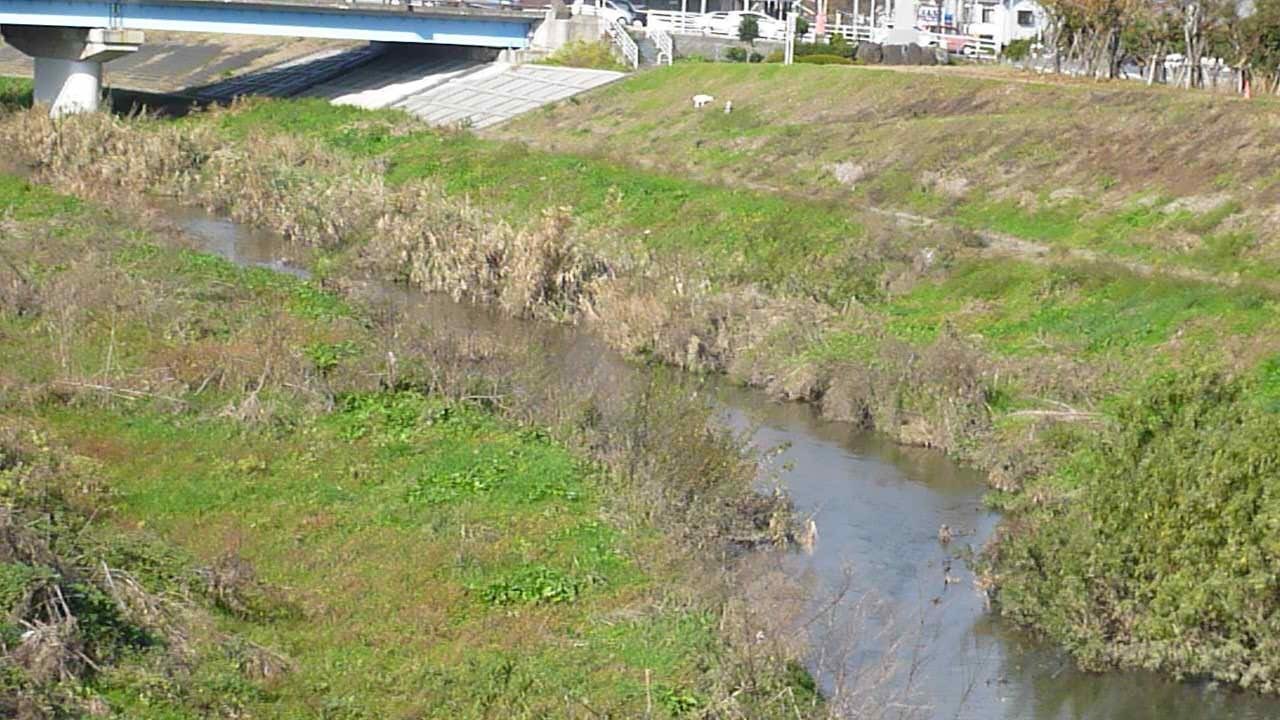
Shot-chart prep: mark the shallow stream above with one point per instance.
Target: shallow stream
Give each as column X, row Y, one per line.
column 906, row 598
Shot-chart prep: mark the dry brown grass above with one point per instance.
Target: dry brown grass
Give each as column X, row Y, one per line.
column 440, row 243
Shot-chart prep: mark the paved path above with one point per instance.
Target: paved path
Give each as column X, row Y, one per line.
column 499, row 92
column 446, row 88
column 391, row 78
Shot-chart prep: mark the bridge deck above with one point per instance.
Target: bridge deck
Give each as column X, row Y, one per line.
column 448, row 24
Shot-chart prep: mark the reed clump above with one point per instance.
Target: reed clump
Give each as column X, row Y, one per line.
column 933, row 396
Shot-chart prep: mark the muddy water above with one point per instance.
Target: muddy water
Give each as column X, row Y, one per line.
column 904, row 602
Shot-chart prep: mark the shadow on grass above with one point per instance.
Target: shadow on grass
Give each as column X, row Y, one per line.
column 16, row 94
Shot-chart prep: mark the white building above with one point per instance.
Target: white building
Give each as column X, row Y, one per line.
column 1002, row 20
column 998, row 21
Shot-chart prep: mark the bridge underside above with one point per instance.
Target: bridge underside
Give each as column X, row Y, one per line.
column 477, row 28
column 70, row 39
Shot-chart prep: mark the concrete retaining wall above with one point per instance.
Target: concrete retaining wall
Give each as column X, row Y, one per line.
column 714, row 48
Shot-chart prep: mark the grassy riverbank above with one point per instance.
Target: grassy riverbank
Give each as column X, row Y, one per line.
column 1096, row 328
column 233, row 492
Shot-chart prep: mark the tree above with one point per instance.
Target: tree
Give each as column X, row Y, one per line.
column 748, row 29
column 1266, row 58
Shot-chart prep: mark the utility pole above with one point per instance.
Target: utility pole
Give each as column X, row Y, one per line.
column 789, row 53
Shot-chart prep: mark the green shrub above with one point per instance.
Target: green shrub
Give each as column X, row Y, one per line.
column 15, row 93
column 802, row 26
column 596, row 55
column 840, row 49
column 837, row 45
column 736, row 54
column 748, row 29
column 811, row 58
column 1167, row 553
column 823, row 60
column 537, row 584
column 1018, row 49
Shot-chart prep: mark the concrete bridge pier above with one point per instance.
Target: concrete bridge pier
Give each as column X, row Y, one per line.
column 68, row 62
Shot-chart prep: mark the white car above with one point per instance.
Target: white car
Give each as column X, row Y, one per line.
column 727, row 23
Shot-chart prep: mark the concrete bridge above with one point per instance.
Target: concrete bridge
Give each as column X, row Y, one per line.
column 70, row 39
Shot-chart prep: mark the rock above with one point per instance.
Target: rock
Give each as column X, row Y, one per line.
column 914, row 54
column 1198, row 204
column 869, row 53
column 847, row 172
column 893, row 54
column 953, row 186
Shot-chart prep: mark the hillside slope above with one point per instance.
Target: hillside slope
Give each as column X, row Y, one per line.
column 1154, row 174
column 1127, row 414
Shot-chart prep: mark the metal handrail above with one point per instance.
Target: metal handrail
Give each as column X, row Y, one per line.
column 686, row 23
column 662, row 41
column 624, row 41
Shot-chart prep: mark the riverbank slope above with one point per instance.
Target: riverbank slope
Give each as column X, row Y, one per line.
column 230, row 491
column 1036, row 318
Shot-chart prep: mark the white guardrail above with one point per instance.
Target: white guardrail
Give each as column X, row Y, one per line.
column 625, row 43
column 662, row 40
column 690, row 23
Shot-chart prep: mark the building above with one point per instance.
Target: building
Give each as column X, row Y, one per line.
column 1002, row 21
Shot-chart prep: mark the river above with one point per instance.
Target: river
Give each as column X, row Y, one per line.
column 906, row 600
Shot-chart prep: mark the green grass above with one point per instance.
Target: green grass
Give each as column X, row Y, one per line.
column 15, row 92
column 398, row 585
column 1007, row 140
column 1081, row 310
column 21, row 200
column 736, row 235
column 425, row 558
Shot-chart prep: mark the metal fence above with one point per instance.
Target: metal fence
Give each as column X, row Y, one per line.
column 692, row 23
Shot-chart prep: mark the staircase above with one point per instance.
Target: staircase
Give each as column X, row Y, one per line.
column 649, row 54
column 654, row 47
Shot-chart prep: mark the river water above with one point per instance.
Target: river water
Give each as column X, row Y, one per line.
column 897, row 597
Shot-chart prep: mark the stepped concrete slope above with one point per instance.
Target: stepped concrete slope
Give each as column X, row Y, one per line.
column 392, row 78
column 499, row 92
column 289, row 78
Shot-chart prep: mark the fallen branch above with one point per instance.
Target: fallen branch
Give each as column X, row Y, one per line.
column 122, row 393
column 1070, row 415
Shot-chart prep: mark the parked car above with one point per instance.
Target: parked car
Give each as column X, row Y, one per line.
column 620, row 10
column 727, row 23
column 639, row 11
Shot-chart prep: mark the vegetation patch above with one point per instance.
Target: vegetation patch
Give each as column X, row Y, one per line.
column 925, row 261
column 596, row 55
column 221, row 498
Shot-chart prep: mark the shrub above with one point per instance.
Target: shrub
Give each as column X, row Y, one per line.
column 840, row 49
column 14, row 93
column 802, row 26
column 596, row 55
column 736, row 54
column 1018, row 49
column 748, row 29
column 837, row 45
column 1165, row 554
column 823, row 60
